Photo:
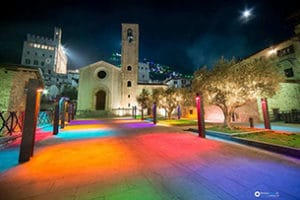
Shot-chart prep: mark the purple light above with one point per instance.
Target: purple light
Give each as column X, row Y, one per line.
column 139, row 125
column 85, row 122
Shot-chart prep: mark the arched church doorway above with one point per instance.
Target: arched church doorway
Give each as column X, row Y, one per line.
column 100, row 100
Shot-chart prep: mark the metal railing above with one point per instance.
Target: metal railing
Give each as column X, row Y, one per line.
column 292, row 116
column 45, row 118
column 11, row 122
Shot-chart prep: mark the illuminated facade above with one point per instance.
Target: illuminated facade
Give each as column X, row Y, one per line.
column 45, row 53
column 108, row 89
column 48, row 55
column 285, row 56
column 129, row 64
column 144, row 73
column 178, row 82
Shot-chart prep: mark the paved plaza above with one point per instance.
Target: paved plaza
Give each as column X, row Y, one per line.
column 130, row 159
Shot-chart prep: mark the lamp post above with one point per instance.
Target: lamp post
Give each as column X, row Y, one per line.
column 200, row 115
column 33, row 97
column 56, row 117
column 178, row 112
column 63, row 104
column 62, row 110
column 265, row 111
column 70, row 111
column 154, row 112
column 134, row 111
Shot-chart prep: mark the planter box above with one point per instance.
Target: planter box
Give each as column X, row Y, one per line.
column 289, row 151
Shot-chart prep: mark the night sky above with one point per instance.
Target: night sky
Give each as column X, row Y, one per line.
column 185, row 35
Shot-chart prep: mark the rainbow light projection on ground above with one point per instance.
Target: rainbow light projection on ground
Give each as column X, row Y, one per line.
column 88, row 161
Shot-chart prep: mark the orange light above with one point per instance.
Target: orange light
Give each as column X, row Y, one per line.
column 40, row 90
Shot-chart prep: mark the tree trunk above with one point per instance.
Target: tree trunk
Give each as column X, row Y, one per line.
column 225, row 113
column 227, row 117
column 149, row 111
column 228, row 120
column 169, row 114
column 142, row 113
column 165, row 114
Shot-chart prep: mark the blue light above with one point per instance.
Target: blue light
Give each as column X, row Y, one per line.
column 86, row 134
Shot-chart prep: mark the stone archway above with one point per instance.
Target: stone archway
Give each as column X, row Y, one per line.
column 100, row 100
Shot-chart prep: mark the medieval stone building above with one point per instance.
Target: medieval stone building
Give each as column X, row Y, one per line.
column 286, row 57
column 45, row 53
column 107, row 89
column 48, row 55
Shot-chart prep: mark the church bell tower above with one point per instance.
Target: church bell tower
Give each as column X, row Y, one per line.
column 129, row 64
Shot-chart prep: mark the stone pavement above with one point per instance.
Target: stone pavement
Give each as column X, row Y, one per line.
column 130, row 159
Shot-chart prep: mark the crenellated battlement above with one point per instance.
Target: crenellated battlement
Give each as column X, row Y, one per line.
column 40, row 40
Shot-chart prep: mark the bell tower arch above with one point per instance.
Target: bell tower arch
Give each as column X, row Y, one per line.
column 129, row 63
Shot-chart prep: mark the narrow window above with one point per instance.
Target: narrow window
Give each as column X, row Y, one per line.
column 128, row 83
column 289, row 72
column 129, row 35
column 27, row 61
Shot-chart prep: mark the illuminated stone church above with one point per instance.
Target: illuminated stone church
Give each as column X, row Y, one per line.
column 107, row 89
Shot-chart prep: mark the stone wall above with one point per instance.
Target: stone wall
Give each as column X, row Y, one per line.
column 12, row 88
column 5, row 86
column 214, row 114
column 17, row 98
column 287, row 99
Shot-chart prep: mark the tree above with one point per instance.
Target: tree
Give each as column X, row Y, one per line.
column 70, row 91
column 144, row 99
column 168, row 99
column 187, row 96
column 230, row 85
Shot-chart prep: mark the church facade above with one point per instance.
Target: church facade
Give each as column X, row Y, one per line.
column 107, row 89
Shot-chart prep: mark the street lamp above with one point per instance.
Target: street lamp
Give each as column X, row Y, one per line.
column 200, row 116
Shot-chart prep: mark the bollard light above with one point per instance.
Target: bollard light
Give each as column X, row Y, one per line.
column 265, row 111
column 30, row 120
column 40, row 90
